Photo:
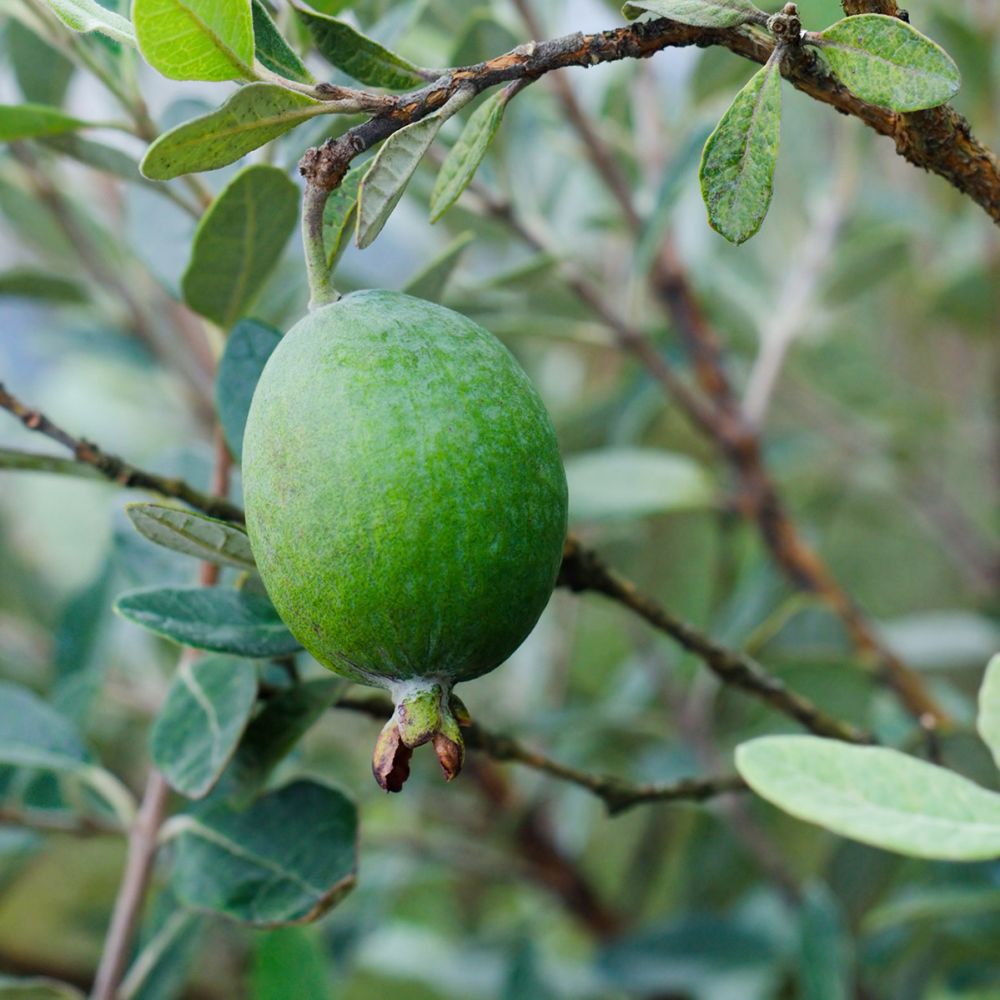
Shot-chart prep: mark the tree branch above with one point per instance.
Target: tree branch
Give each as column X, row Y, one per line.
column 113, row 468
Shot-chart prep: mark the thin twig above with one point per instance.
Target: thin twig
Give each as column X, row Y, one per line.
column 115, row 469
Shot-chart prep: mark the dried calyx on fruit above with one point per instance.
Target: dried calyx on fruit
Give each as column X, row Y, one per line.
column 406, row 504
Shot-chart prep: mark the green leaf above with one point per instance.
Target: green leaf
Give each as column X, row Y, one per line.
column 238, row 242
column 88, row 15
column 197, row 535
column 25, row 283
column 253, row 116
column 37, row 988
column 95, row 154
column 826, row 960
column 196, row 39
column 286, row 859
column 359, row 56
column 988, row 719
column 248, row 347
column 886, row 61
column 224, row 621
column 704, row 13
column 274, row 732
column 340, row 212
column 197, row 730
column 384, row 183
column 34, row 735
column 289, row 962
column 43, row 73
column 429, row 282
column 737, row 165
column 878, row 796
column 29, row 121
column 464, row 157
column 624, row 483
column 272, row 49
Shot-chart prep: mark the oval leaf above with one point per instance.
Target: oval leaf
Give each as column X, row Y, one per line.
column 42, row 285
column 622, row 483
column 197, row 730
column 196, row 39
column 340, row 213
column 224, row 621
column 464, row 157
column 254, row 115
column 988, row 719
column 248, row 347
column 287, row 859
column 29, row 121
column 272, row 49
column 737, row 165
column 89, row 15
column 886, row 61
column 878, row 796
column 238, row 242
column 359, row 56
column 197, row 535
column 705, row 13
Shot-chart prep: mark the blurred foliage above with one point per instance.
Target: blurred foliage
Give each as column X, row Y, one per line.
column 882, row 431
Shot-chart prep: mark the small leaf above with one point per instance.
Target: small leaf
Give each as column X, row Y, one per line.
column 878, row 796
column 886, row 61
column 289, row 962
column 253, row 116
column 384, row 183
column 43, row 73
column 37, row 988
column 988, row 719
column 29, row 121
column 272, row 49
column 274, row 732
column 737, row 165
column 248, row 347
column 197, row 535
column 464, row 157
column 196, row 39
column 27, row 284
column 703, row 13
column 623, row 483
column 286, row 859
column 89, row 15
column 95, row 154
column 429, row 283
column 340, row 212
column 359, row 56
column 224, row 621
column 197, row 730
column 238, row 243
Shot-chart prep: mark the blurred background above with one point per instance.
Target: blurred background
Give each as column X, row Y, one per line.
column 860, row 327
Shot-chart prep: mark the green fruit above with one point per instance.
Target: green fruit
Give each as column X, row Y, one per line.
column 406, row 505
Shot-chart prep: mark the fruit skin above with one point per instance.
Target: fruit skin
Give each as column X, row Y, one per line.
column 406, row 502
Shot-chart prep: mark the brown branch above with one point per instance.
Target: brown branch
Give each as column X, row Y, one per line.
column 117, row 470
column 616, row 793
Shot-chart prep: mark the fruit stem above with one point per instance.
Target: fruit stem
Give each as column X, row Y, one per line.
column 321, row 290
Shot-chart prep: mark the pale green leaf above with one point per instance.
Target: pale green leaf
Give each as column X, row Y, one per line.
column 108, row 159
column 30, row 121
column 272, row 49
column 384, row 183
column 464, row 157
column 886, row 61
column 89, row 15
column 194, row 534
column 196, row 39
column 214, row 618
column 43, row 73
column 340, row 213
column 704, row 13
column 879, row 796
column 359, row 56
column 197, row 730
column 430, row 281
column 254, row 115
column 286, row 859
column 238, row 242
column 988, row 719
column 248, row 346
column 737, row 165
column 623, row 483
